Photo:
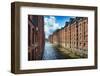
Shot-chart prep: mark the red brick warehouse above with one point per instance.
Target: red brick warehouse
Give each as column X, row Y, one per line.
column 73, row 35
column 35, row 37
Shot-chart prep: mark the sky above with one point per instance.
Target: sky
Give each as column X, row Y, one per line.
column 52, row 23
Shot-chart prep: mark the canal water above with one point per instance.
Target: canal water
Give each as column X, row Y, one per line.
column 50, row 53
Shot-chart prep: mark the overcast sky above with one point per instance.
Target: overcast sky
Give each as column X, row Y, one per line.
column 51, row 23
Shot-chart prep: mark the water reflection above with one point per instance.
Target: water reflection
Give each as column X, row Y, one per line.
column 50, row 53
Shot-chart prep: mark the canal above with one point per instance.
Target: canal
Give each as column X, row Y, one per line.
column 50, row 53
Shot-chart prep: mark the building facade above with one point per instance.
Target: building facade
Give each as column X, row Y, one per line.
column 83, row 33
column 35, row 37
column 73, row 35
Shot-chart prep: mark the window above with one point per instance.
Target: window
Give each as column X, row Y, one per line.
column 80, row 43
column 29, row 29
column 84, row 23
column 84, row 44
column 35, row 20
column 80, row 34
column 33, row 35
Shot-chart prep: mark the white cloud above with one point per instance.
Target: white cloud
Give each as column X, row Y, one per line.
column 50, row 25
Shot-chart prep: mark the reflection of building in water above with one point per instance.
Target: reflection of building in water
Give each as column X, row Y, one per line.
column 35, row 37
column 74, row 35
